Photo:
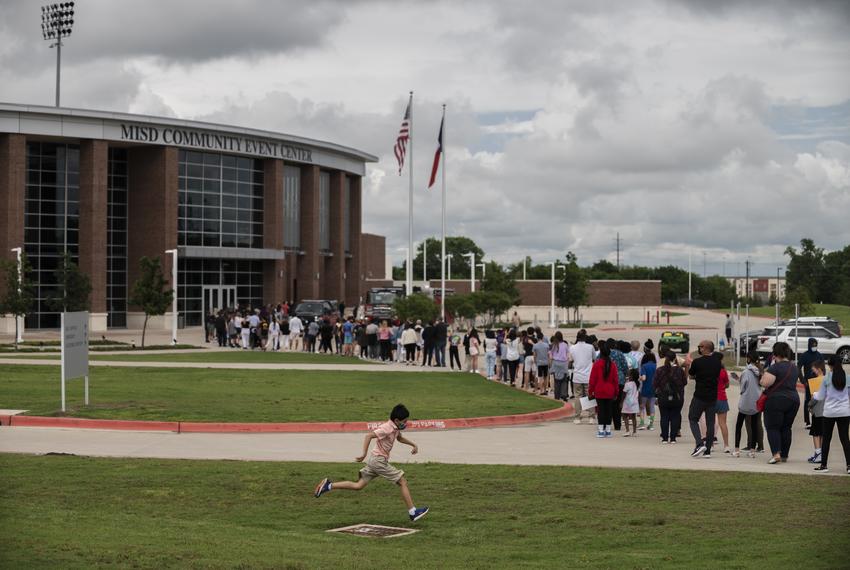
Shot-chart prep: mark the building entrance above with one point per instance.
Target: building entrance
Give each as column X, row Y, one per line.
column 217, row 297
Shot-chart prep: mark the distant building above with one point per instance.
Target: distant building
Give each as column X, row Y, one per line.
column 761, row 288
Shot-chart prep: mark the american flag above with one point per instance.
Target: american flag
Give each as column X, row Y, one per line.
column 403, row 137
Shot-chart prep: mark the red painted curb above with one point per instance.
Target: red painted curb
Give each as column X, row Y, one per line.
column 4, row 419
column 565, row 411
column 83, row 423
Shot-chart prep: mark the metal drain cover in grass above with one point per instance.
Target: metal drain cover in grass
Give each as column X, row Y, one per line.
column 374, row 530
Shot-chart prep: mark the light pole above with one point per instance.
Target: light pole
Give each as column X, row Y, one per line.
column 56, row 23
column 19, row 252
column 554, row 264
column 471, row 257
column 689, row 278
column 524, row 259
column 173, row 253
column 449, row 264
column 483, row 267
column 425, row 260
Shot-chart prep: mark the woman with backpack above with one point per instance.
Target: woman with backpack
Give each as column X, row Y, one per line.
column 669, row 385
column 835, row 395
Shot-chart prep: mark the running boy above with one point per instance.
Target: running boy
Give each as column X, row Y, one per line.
column 378, row 463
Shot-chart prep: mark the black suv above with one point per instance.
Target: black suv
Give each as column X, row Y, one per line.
column 314, row 310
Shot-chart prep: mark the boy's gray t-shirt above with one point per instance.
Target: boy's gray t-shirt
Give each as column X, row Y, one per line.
column 541, row 353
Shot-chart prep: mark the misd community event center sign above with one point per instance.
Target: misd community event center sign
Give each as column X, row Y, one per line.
column 75, row 350
column 220, row 142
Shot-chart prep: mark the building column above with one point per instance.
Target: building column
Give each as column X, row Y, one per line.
column 94, row 197
column 152, row 217
column 309, row 264
column 13, row 179
column 274, row 270
column 355, row 282
column 334, row 283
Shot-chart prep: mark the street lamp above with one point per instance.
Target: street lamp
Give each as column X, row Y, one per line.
column 449, row 257
column 552, row 311
column 173, row 253
column 471, row 257
column 425, row 260
column 19, row 252
column 56, row 23
column 483, row 267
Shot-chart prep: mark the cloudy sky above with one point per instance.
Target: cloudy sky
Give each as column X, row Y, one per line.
column 720, row 128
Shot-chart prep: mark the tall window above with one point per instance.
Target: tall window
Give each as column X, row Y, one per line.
column 324, row 211
column 291, row 206
column 221, row 200
column 51, row 221
column 346, row 215
column 116, row 240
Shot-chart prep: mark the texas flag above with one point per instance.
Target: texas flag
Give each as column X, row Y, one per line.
column 437, row 155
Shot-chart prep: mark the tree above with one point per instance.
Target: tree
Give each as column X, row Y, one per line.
column 490, row 303
column 798, row 296
column 461, row 306
column 149, row 292
column 805, row 269
column 457, row 247
column 497, row 280
column 416, row 306
column 571, row 290
column 18, row 296
column 74, row 288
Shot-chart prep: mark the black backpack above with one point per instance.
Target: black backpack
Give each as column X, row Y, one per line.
column 668, row 394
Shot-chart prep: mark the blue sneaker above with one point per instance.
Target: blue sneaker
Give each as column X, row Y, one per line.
column 419, row 513
column 323, row 487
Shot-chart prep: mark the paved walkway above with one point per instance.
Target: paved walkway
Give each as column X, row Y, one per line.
column 554, row 443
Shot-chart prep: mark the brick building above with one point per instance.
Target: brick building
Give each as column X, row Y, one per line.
column 255, row 216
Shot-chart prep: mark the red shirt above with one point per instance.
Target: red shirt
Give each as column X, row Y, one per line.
column 722, row 384
column 601, row 386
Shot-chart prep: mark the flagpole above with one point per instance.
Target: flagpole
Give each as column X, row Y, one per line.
column 409, row 289
column 443, row 239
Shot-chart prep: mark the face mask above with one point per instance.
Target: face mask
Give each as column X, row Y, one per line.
column 402, row 426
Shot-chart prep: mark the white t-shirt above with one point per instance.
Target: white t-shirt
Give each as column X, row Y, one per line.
column 295, row 326
column 581, row 354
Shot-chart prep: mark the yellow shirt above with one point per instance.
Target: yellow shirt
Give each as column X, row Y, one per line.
column 814, row 384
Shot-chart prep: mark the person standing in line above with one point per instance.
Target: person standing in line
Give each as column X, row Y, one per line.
column 234, row 326
column 748, row 414
column 441, row 336
column 348, row 337
column 631, row 402
column 705, row 370
column 474, row 350
column 527, row 341
column 668, row 384
column 454, row 350
column 502, row 337
column 274, row 335
column 490, row 347
column 729, row 324
column 816, row 429
column 723, row 404
column 362, row 340
column 558, row 357
column 836, row 411
column 372, row 339
column 284, row 332
column 428, row 344
column 541, row 359
column 384, row 341
column 400, row 352
column 783, row 402
column 618, row 357
column 296, row 327
column 246, row 333
column 512, row 350
column 500, row 340
column 604, row 387
column 408, row 339
column 647, row 391
column 805, row 361
column 581, row 354
column 221, row 329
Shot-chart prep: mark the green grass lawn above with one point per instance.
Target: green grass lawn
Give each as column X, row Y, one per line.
column 260, row 395
column 841, row 313
column 234, row 356
column 76, row 512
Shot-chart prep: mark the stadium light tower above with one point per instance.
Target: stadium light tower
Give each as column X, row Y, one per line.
column 56, row 23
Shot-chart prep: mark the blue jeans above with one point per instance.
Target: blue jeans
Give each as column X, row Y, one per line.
column 440, row 353
column 490, row 360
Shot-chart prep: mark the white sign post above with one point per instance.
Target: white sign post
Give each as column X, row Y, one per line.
column 75, row 349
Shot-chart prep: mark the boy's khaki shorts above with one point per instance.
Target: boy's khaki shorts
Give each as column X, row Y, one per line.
column 378, row 466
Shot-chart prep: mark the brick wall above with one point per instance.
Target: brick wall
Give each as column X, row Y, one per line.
column 601, row 293
column 374, row 254
column 13, row 161
column 94, row 159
